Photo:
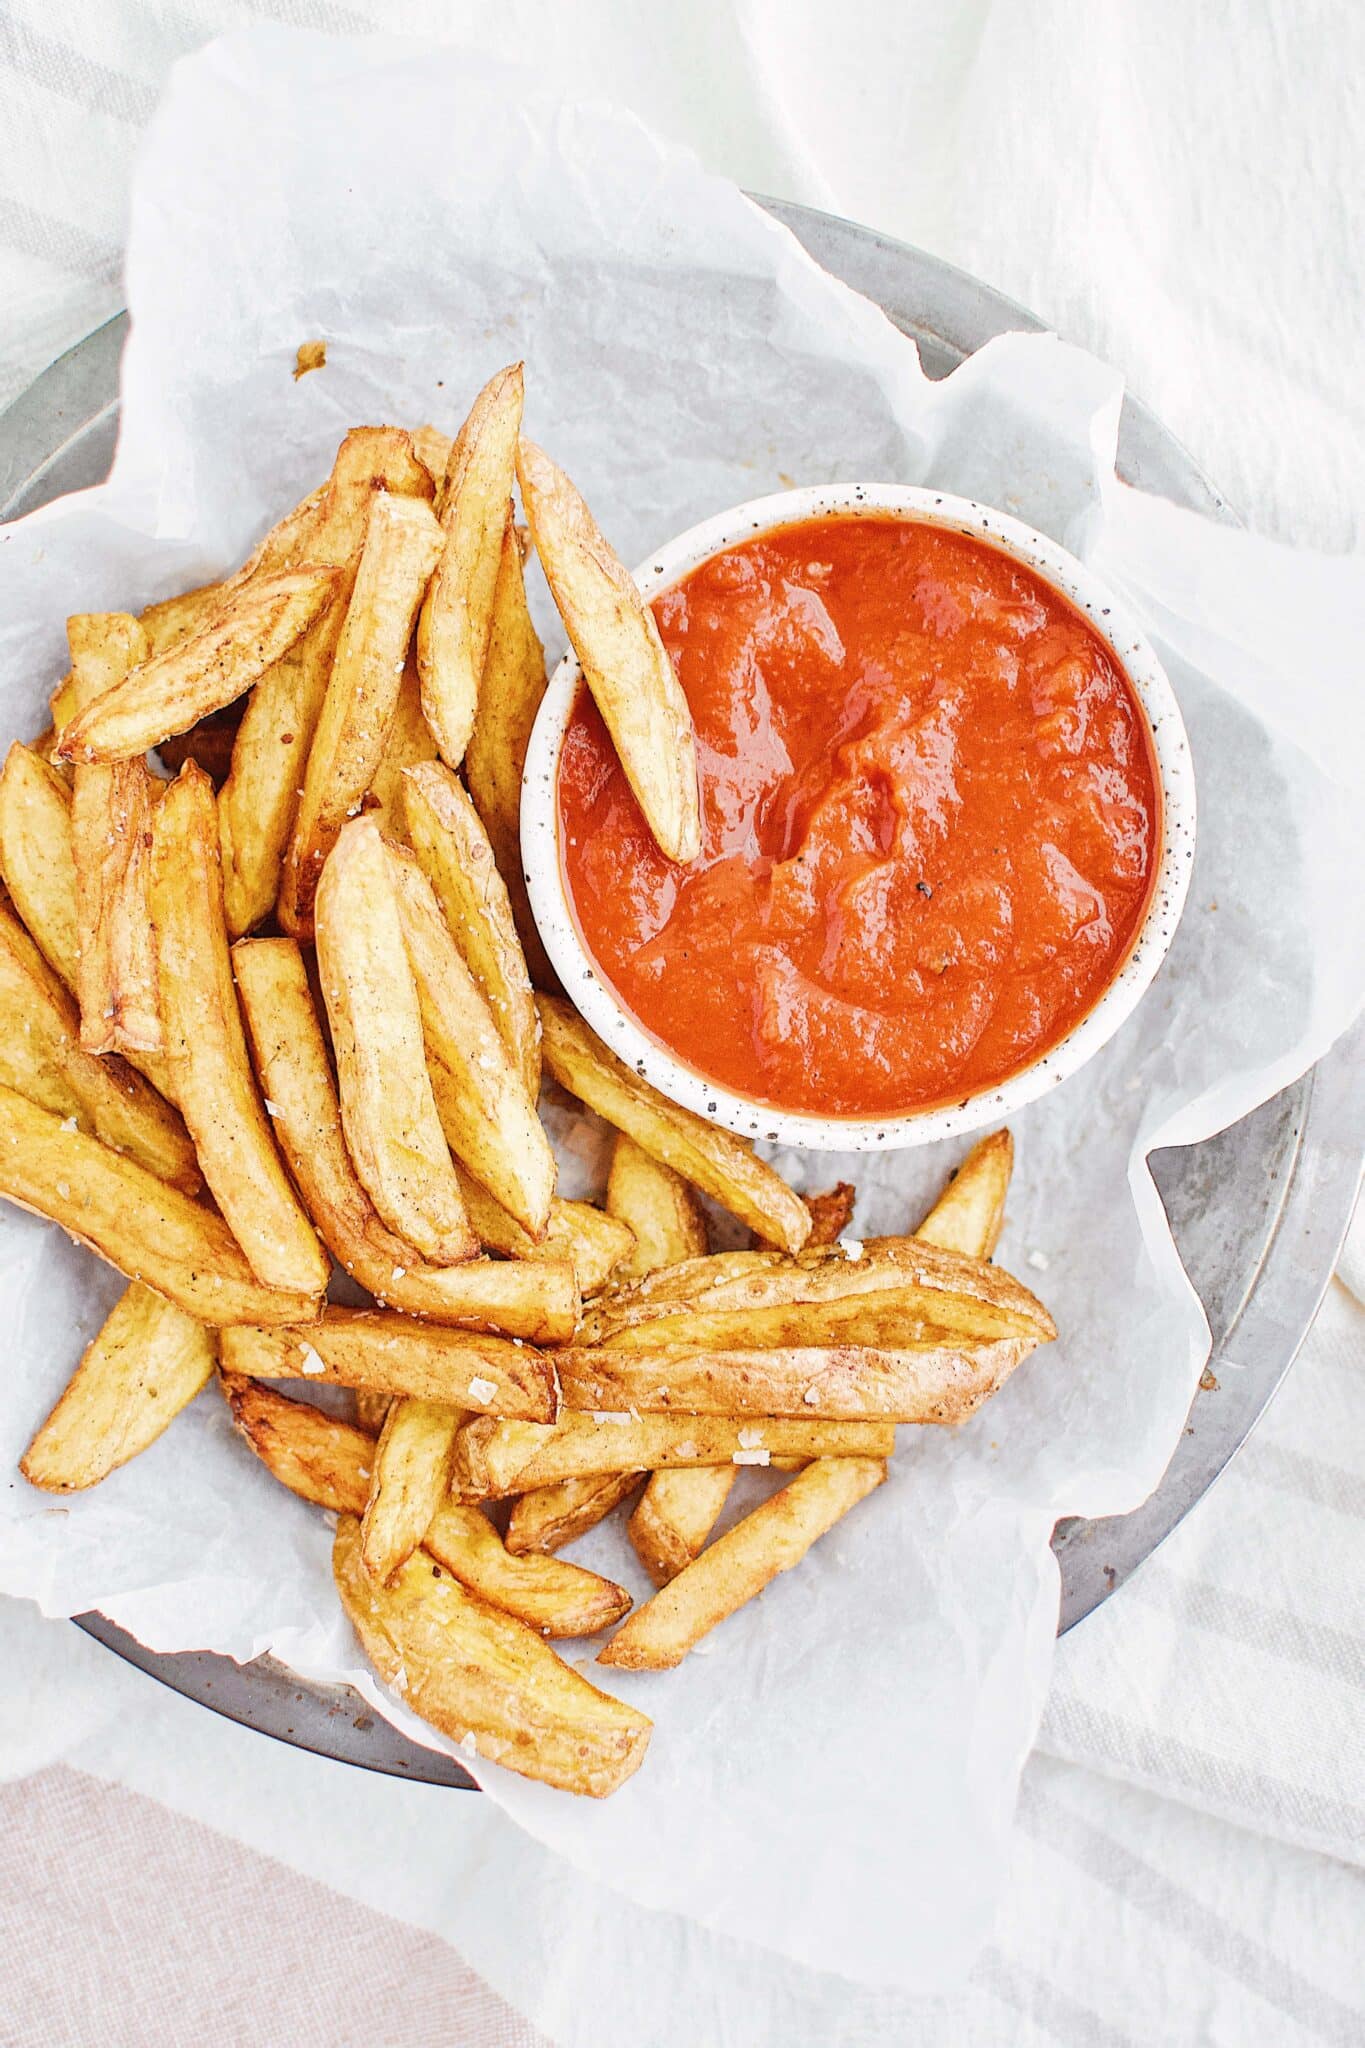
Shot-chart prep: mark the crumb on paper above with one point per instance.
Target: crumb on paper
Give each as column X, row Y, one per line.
column 312, row 1360
column 482, row 1390
column 751, row 1458
column 312, row 355
column 1208, row 1380
column 1039, row 1261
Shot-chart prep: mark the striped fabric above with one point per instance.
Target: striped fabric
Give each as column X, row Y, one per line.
column 1188, row 1859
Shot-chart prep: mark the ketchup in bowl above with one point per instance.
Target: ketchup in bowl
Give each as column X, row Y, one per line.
column 930, row 821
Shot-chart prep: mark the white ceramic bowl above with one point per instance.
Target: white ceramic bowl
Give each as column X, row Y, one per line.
column 603, row 1009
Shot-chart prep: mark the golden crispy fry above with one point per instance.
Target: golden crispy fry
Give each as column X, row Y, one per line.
column 741, row 1563
column 831, row 1213
column 147, row 1363
column 489, row 1120
column 409, row 745
column 41, row 1056
column 176, row 618
column 484, row 1679
column 593, row 1243
column 172, row 691
column 207, row 1047
column 145, row 1228
column 111, row 839
column 675, row 1514
column 388, row 1110
column 453, row 852
column 370, row 1411
column 969, row 1214
column 658, row 1206
column 402, row 541
column 536, row 1300
column 260, row 797
column 394, row 1354
column 623, row 659
column 494, row 1458
column 720, row 1164
column 332, row 1463
column 509, row 697
column 410, row 1479
column 550, row 1516
column 432, row 449
column 476, row 509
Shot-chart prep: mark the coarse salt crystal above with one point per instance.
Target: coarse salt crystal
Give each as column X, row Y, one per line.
column 687, row 1449
column 271, row 1108
column 482, row 1390
column 69, row 1124
column 1039, row 1261
column 399, row 1271
column 751, row 1458
column 63, row 1188
column 811, row 1396
column 312, row 1360
column 469, row 1743
column 610, row 1415
column 851, row 1247
column 364, row 1471
column 750, row 1439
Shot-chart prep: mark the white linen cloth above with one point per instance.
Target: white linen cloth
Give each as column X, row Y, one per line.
column 1228, row 1674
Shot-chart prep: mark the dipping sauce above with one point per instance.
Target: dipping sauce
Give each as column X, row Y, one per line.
column 930, row 822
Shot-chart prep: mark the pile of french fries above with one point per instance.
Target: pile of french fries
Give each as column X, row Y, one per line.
column 287, row 1013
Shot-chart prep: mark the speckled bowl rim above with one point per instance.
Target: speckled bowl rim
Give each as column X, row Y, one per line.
column 598, row 1002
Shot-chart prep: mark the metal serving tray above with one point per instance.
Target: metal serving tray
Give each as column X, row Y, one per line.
column 1259, row 1212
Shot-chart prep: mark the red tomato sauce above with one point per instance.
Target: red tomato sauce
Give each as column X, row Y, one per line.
column 930, row 819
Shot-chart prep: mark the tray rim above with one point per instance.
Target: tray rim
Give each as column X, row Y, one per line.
column 949, row 314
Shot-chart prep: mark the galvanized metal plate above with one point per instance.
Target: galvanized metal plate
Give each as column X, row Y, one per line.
column 1258, row 1213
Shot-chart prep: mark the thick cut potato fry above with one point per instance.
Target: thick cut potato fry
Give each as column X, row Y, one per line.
column 491, row 1458
column 411, row 1477
column 332, row 1463
column 550, row 1516
column 453, row 851
column 259, row 800
column 513, row 684
column 41, row 1056
column 409, row 745
column 111, row 839
column 402, row 542
column 942, row 1382
column 675, row 1514
column 172, row 691
column 620, row 652
column 658, row 1206
column 831, row 1213
column 970, row 1213
column 175, row 618
column 488, row 1118
column 394, row 1354
column 388, row 1110
column 432, row 449
column 147, row 1363
column 594, row 1244
column 135, row 1222
column 536, row 1300
column 484, row 1679
column 741, row 1563
column 457, row 615
column 715, row 1161
column 206, row 1045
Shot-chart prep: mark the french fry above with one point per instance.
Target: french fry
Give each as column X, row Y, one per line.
column 411, row 1478
column 771, row 1539
column 715, row 1161
column 476, row 508
column 147, row 1229
column 111, row 837
column 623, row 659
column 831, row 1213
column 658, row 1206
column 206, row 1045
column 172, row 691
column 489, row 1120
column 537, row 1300
column 175, row 618
column 402, row 541
column 332, row 1463
column 370, row 1412
column 432, row 449
column 454, row 854
column 147, row 1363
column 484, row 1679
column 394, row 1354
column 675, row 1514
column 548, row 1517
column 388, row 1110
column 513, row 684
column 491, row 1457
column 594, row 1244
column 969, row 1214
column 41, row 1056
column 409, row 745
column 258, row 802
